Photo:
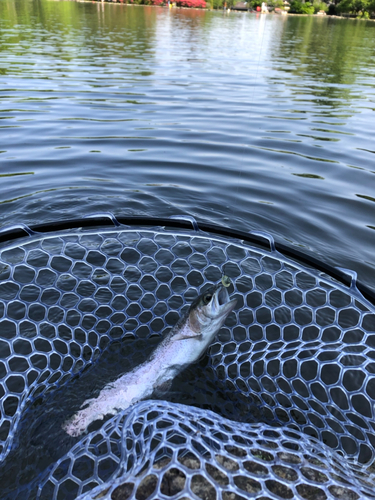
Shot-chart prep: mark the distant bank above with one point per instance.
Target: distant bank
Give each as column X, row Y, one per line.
column 346, row 9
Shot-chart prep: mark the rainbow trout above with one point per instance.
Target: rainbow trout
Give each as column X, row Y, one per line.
column 183, row 345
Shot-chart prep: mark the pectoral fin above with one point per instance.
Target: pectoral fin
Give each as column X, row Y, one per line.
column 183, row 336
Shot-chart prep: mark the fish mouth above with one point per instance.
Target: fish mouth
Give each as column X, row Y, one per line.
column 222, row 304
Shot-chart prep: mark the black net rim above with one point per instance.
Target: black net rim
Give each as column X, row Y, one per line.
column 259, row 238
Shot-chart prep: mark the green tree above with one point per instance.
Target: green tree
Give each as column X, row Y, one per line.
column 319, row 5
column 219, row 4
column 298, row 7
column 276, row 4
column 354, row 6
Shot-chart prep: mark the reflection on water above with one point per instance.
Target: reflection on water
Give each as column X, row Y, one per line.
column 256, row 122
column 329, row 51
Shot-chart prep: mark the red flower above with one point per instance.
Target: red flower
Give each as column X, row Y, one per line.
column 191, row 3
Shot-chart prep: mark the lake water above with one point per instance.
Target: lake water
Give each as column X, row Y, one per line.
column 249, row 121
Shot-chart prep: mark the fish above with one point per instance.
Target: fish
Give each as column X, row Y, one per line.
column 182, row 346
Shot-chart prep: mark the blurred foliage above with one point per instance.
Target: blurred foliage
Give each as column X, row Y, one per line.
column 272, row 4
column 219, row 4
column 361, row 8
column 298, row 7
column 216, row 4
column 319, row 5
column 277, row 4
column 332, row 10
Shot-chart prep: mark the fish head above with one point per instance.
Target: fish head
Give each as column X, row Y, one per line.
column 209, row 311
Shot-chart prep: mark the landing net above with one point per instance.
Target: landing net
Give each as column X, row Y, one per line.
column 295, row 363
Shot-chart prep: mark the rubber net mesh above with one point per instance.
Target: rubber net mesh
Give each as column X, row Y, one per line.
column 294, row 363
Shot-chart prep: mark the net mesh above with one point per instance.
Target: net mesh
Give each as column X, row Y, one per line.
column 166, row 450
column 298, row 351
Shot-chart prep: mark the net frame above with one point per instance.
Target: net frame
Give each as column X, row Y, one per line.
column 276, row 401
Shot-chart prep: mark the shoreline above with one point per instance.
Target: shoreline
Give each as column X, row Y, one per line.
column 123, row 2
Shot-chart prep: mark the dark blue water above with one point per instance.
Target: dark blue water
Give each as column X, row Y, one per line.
column 249, row 121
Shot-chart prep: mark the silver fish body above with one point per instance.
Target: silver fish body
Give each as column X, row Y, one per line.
column 183, row 345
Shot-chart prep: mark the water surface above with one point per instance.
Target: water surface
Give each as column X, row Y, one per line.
column 250, row 121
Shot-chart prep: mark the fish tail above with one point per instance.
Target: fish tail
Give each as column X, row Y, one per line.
column 76, row 425
column 106, row 403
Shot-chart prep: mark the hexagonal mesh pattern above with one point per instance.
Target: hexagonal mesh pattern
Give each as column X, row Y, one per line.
column 166, row 450
column 299, row 349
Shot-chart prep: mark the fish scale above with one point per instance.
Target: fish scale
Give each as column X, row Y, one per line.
column 183, row 345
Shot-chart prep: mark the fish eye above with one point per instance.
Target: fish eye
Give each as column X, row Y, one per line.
column 207, row 298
